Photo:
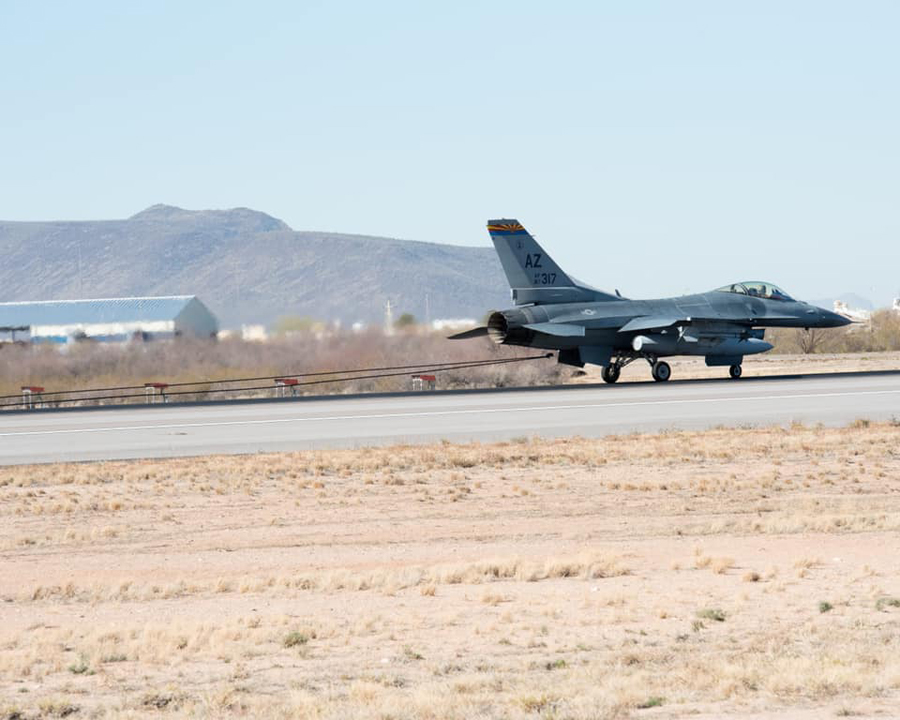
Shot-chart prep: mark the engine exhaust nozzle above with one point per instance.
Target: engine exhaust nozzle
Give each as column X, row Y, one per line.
column 498, row 327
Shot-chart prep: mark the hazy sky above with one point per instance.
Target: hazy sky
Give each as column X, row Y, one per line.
column 657, row 147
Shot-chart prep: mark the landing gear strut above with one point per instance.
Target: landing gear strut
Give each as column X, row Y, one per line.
column 735, row 371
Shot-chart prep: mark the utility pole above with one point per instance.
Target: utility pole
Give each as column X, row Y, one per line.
column 80, row 275
column 388, row 318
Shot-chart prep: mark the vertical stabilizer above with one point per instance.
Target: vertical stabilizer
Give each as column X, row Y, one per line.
column 532, row 274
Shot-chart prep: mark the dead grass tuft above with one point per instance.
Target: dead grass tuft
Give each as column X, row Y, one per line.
column 714, row 614
column 887, row 602
column 722, row 565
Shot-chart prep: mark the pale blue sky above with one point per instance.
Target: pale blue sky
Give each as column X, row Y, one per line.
column 658, row 147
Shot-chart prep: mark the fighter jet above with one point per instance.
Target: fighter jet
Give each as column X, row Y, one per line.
column 555, row 312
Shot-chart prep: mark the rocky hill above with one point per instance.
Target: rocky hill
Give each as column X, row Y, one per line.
column 851, row 300
column 248, row 267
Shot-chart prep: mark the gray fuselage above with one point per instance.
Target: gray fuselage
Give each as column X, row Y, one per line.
column 713, row 323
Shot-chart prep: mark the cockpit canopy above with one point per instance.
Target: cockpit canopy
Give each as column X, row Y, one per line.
column 764, row 290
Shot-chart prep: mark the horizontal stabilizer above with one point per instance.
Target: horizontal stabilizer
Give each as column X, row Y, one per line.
column 652, row 322
column 474, row 332
column 557, row 329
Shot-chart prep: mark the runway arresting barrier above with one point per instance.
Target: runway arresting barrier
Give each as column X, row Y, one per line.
column 155, row 391
column 32, row 396
column 424, row 382
column 285, row 385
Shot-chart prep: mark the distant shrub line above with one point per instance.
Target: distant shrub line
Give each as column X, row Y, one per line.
column 88, row 365
column 880, row 334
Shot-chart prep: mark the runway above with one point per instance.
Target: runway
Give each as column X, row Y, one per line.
column 155, row 431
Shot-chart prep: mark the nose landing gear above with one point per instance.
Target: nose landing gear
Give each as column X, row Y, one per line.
column 735, row 371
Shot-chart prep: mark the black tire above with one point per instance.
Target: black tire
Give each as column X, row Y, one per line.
column 735, row 371
column 661, row 371
column 610, row 373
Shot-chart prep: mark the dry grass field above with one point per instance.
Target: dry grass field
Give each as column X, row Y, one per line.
column 747, row 573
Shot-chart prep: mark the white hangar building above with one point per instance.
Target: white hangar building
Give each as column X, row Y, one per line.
column 108, row 319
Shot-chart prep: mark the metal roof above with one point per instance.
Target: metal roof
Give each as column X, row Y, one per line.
column 103, row 310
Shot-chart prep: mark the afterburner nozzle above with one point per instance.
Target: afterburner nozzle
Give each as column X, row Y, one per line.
column 498, row 327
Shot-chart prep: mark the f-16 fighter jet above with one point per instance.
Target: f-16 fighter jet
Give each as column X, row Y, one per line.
column 586, row 325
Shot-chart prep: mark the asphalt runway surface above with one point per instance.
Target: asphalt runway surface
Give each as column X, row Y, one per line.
column 154, row 431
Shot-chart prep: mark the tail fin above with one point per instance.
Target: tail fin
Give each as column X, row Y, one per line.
column 532, row 274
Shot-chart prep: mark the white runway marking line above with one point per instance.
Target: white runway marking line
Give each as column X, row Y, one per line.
column 439, row 413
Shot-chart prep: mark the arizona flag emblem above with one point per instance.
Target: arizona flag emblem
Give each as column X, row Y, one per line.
column 512, row 227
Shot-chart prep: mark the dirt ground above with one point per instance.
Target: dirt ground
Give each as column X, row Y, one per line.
column 758, row 366
column 745, row 573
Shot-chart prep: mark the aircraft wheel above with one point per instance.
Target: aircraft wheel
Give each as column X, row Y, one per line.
column 735, row 371
column 610, row 373
column 661, row 371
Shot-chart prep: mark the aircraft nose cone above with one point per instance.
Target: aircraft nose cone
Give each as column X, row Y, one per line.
column 833, row 319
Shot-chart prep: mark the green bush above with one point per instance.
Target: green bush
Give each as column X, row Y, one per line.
column 296, row 638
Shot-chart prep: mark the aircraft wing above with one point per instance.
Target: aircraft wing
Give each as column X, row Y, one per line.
column 653, row 322
column 557, row 329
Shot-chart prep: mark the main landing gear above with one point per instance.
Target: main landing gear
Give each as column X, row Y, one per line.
column 661, row 371
column 610, row 373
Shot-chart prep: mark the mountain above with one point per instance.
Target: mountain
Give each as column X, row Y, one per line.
column 851, row 300
column 248, row 267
